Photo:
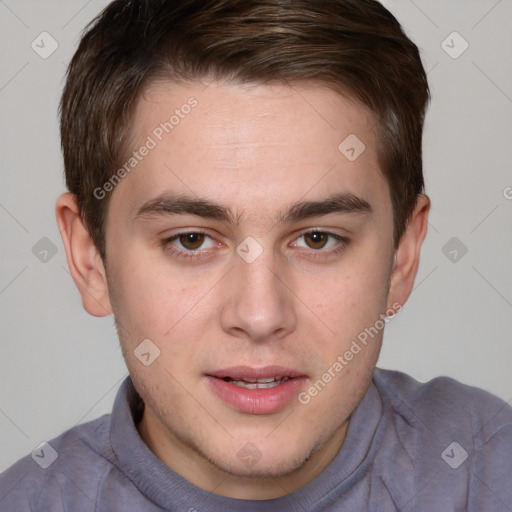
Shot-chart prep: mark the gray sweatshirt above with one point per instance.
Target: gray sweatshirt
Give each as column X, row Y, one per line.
column 435, row 447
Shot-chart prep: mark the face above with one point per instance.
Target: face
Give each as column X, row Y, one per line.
column 252, row 250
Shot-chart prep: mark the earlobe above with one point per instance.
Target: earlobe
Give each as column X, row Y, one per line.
column 407, row 256
column 84, row 261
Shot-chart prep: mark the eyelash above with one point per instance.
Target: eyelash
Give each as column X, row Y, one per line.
column 166, row 243
column 189, row 255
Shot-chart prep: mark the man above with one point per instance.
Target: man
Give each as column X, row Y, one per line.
column 246, row 198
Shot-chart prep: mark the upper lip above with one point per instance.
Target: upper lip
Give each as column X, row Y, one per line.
column 248, row 373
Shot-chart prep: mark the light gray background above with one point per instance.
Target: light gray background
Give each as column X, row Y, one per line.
column 59, row 366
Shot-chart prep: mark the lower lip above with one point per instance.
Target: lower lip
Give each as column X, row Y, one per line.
column 256, row 401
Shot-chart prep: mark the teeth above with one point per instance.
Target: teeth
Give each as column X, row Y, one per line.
column 259, row 383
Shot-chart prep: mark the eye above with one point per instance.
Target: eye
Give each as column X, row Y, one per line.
column 321, row 241
column 191, row 241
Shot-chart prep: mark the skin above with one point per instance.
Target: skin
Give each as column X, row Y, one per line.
column 256, row 150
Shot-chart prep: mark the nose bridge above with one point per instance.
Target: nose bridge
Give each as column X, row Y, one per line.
column 260, row 305
column 259, row 279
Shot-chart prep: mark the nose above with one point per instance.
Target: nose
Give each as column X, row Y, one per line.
column 258, row 303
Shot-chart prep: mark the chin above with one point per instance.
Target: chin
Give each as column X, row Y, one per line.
column 245, row 460
column 263, row 469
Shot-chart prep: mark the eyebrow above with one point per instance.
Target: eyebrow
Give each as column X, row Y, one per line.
column 169, row 205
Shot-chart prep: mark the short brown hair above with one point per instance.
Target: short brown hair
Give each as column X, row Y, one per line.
column 349, row 45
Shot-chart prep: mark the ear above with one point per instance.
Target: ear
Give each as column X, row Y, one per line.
column 407, row 255
column 84, row 260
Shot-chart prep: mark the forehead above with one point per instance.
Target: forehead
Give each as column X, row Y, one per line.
column 250, row 144
column 246, row 113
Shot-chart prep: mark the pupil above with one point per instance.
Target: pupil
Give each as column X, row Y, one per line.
column 192, row 240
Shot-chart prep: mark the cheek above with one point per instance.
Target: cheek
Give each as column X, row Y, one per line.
column 153, row 301
column 352, row 296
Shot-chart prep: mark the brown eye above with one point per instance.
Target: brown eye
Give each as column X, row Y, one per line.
column 191, row 241
column 316, row 239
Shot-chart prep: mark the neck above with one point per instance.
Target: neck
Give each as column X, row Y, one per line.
column 192, row 466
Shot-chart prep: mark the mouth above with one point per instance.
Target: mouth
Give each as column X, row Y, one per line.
column 256, row 390
column 268, row 383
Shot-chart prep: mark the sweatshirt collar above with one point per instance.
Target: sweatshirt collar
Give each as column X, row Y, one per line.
column 167, row 488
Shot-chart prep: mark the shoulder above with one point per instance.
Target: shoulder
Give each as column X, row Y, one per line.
column 443, row 400
column 74, row 462
column 458, row 436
